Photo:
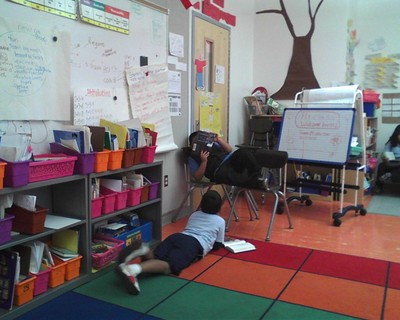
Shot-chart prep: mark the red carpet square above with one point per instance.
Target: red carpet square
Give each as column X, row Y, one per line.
column 273, row 254
column 347, row 267
column 394, row 276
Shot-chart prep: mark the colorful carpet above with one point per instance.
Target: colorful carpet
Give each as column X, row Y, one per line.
column 274, row 282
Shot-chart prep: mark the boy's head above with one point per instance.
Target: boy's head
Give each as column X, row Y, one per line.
column 211, row 202
column 192, row 136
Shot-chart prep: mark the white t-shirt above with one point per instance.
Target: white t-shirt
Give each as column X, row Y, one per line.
column 206, row 228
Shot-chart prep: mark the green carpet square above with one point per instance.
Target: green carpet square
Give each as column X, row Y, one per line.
column 153, row 290
column 288, row 311
column 199, row 301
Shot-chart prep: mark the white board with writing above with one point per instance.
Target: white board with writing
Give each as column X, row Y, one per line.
column 317, row 135
column 34, row 72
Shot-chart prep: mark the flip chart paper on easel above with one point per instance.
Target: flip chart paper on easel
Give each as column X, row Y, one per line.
column 317, row 135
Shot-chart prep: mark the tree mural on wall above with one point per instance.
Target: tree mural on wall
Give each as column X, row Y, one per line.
column 300, row 72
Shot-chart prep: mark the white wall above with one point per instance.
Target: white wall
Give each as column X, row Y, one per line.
column 376, row 20
column 273, row 43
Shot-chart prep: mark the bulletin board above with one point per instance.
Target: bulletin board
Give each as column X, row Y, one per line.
column 85, row 58
column 317, row 135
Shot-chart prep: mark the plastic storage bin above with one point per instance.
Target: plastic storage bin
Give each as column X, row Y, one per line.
column 369, row 109
column 108, row 204
column 101, row 160
column 26, row 221
column 24, row 291
column 5, row 228
column 153, row 190
column 41, row 281
column 100, row 260
column 97, row 205
column 16, row 174
column 2, row 170
column 146, row 228
column 132, row 157
column 148, row 154
column 72, row 267
column 129, row 236
column 115, row 160
column 145, row 193
column 134, row 196
column 59, row 166
column 120, row 200
column 84, row 163
column 57, row 274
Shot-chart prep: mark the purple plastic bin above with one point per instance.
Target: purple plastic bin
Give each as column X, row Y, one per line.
column 5, row 228
column 16, row 174
column 85, row 162
column 153, row 191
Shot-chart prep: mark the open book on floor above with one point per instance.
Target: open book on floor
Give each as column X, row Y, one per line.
column 237, row 246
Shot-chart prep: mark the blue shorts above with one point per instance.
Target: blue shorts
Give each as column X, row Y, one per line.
column 179, row 250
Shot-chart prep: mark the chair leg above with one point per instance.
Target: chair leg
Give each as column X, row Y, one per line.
column 278, row 194
column 233, row 198
column 251, row 203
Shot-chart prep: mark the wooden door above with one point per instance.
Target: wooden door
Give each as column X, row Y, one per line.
column 211, row 44
column 210, row 58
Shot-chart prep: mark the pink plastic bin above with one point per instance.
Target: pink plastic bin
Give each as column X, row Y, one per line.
column 84, row 163
column 97, row 204
column 61, row 166
column 134, row 197
column 148, row 154
column 121, row 197
column 108, row 203
column 41, row 281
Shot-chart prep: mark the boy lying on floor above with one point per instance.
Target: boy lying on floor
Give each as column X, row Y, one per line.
column 205, row 231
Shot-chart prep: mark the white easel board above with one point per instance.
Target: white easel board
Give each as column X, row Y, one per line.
column 317, row 134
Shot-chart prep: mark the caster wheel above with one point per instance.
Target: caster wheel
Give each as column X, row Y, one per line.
column 363, row 212
column 279, row 209
column 337, row 222
column 308, row 202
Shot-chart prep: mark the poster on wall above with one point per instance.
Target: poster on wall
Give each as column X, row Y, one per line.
column 34, row 72
column 210, row 112
column 148, row 96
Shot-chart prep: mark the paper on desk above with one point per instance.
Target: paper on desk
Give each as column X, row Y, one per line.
column 58, row 222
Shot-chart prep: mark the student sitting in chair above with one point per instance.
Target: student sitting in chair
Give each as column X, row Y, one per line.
column 389, row 168
column 222, row 165
column 205, row 231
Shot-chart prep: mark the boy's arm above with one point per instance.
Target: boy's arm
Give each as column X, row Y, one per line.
column 198, row 174
column 226, row 146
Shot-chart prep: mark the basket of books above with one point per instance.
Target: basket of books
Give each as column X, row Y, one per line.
column 105, row 250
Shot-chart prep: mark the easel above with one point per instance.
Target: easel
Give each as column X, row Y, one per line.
column 327, row 108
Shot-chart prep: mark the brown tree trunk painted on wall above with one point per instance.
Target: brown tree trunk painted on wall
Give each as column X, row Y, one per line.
column 300, row 73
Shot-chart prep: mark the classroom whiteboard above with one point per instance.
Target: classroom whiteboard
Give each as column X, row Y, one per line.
column 317, row 135
column 92, row 58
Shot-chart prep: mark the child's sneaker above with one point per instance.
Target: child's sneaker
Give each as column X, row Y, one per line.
column 129, row 280
column 136, row 249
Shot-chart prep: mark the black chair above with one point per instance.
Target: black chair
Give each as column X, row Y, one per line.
column 273, row 163
column 204, row 185
column 261, row 132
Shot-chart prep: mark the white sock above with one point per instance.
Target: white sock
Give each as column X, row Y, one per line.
column 134, row 269
column 141, row 251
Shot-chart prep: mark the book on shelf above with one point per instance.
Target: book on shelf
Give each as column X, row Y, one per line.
column 63, row 253
column 237, row 245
